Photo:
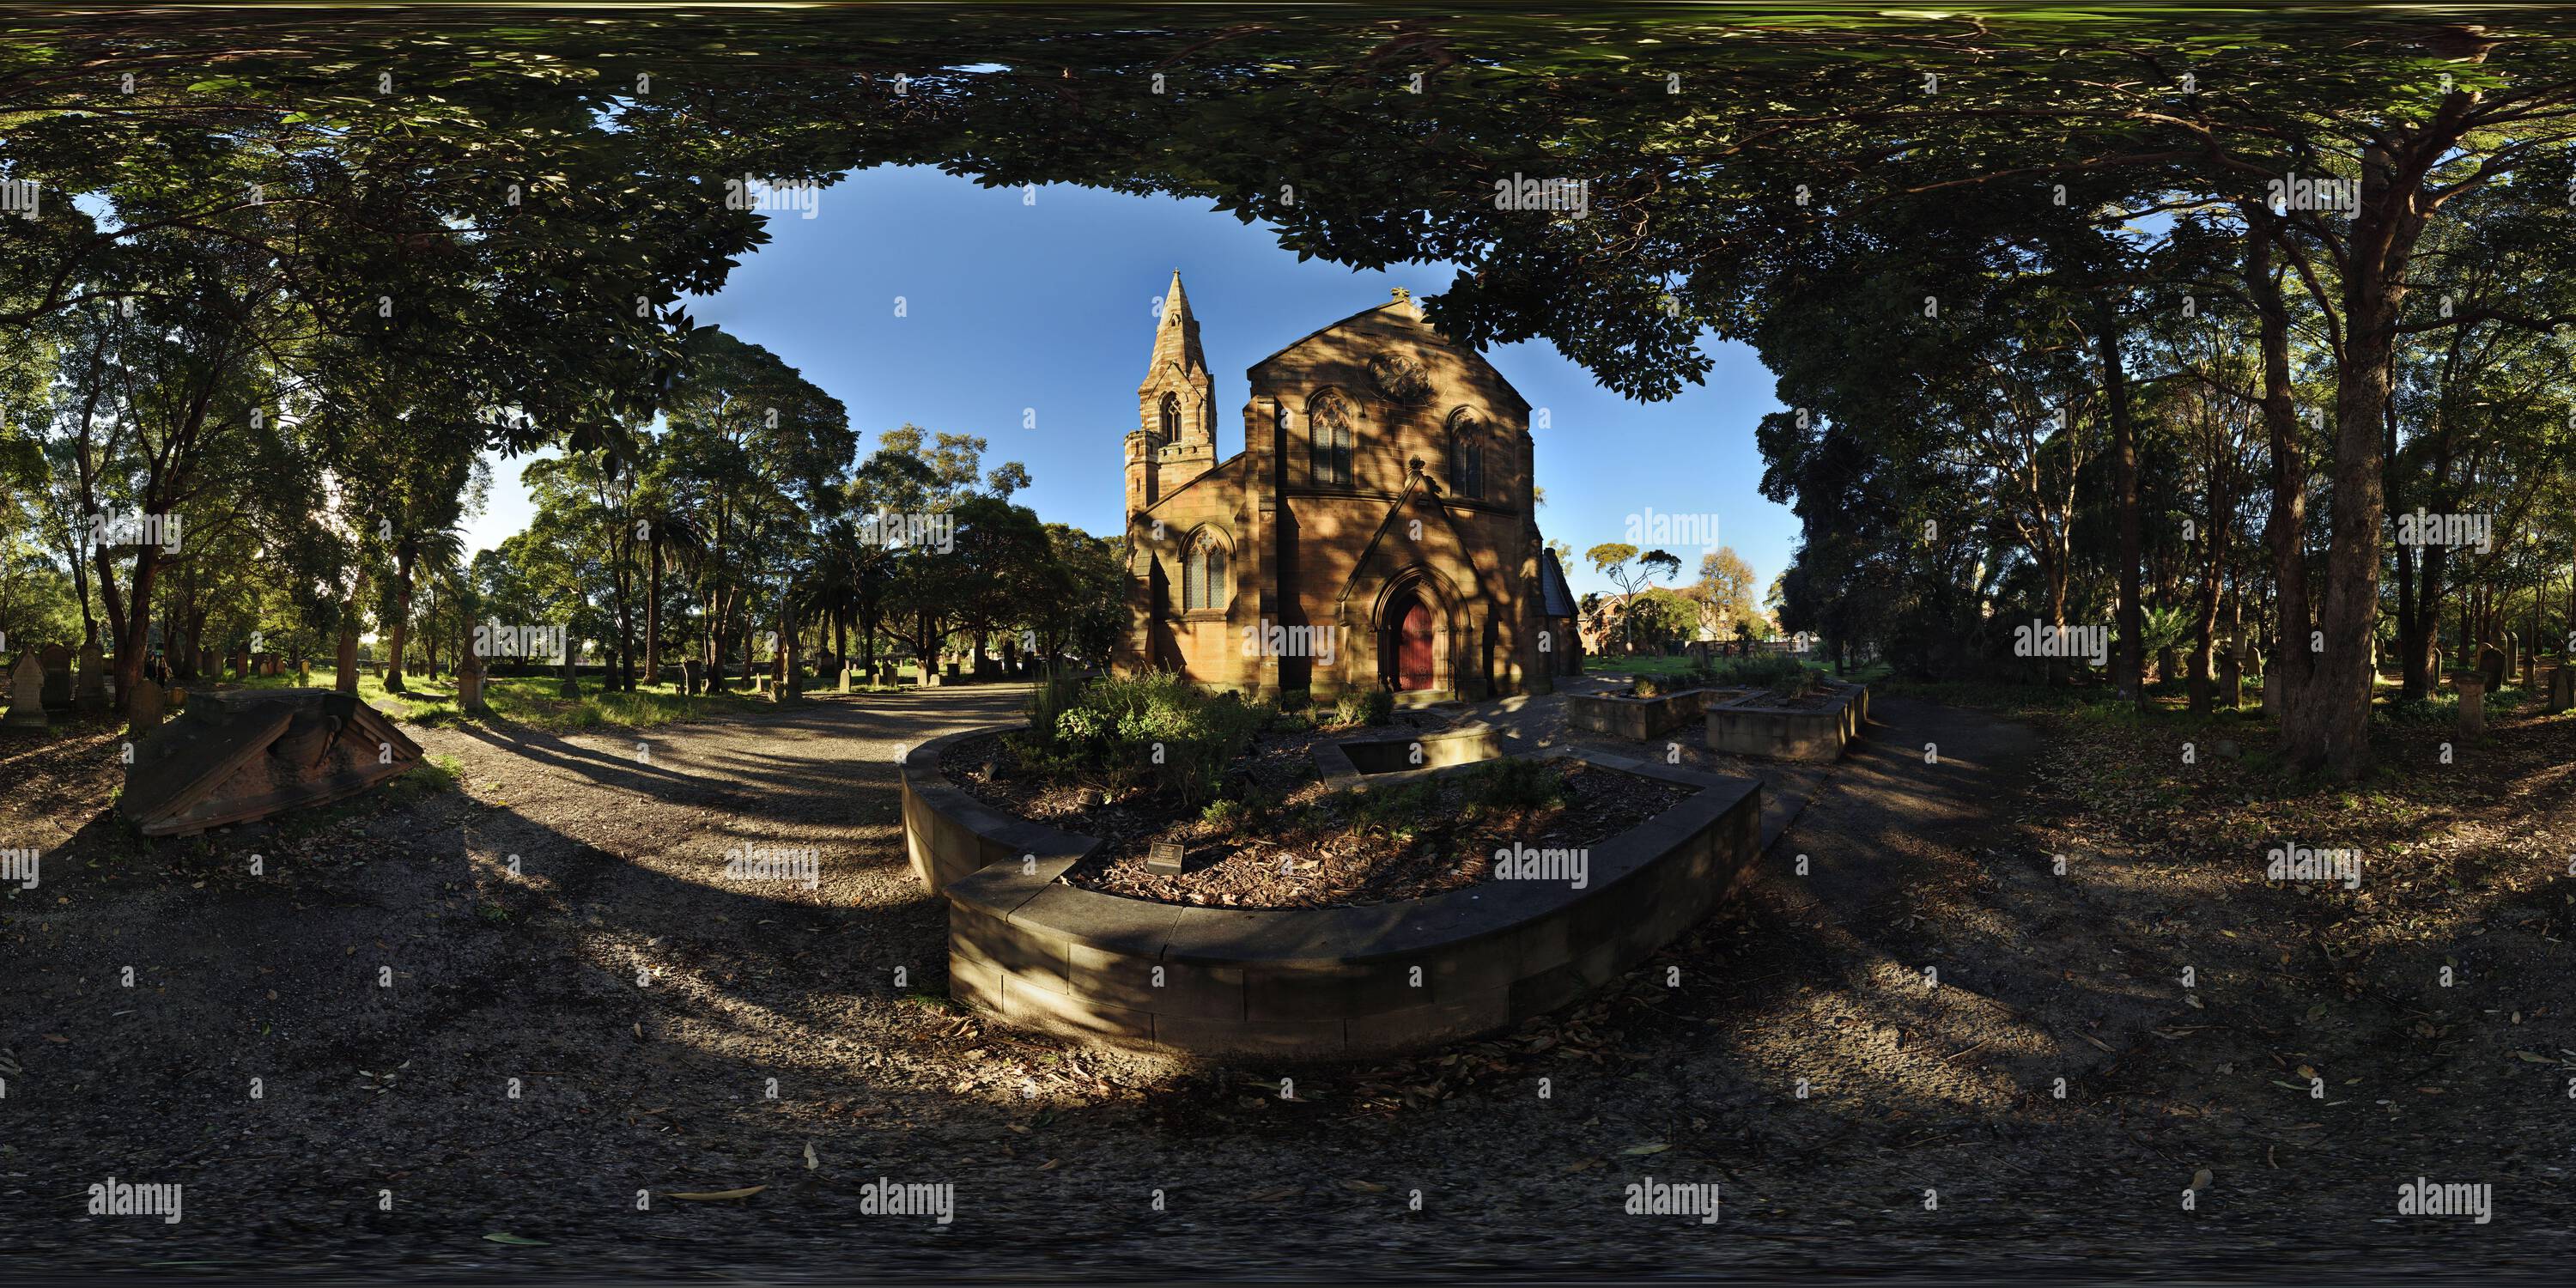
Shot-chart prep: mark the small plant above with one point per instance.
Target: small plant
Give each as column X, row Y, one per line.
column 1368, row 707
column 1224, row 813
column 1400, row 812
column 1514, row 783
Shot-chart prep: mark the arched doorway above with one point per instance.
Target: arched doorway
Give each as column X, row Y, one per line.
column 1405, row 656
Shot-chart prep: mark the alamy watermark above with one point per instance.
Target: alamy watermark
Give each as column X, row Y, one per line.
column 2299, row 192
column 20, row 865
column 887, row 1197
column 2039, row 639
column 1270, row 639
column 492, row 639
column 1652, row 1197
column 1556, row 196
column 1517, row 862
column 2422, row 1197
column 2451, row 530
column 113, row 1197
column 771, row 196
column 1652, row 527
column 756, row 863
column 135, row 528
column 2300, row 863
column 923, row 530
column 20, row 197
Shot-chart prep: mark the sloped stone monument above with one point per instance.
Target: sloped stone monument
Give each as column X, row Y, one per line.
column 240, row 757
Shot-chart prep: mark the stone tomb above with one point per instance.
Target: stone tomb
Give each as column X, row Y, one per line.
column 238, row 757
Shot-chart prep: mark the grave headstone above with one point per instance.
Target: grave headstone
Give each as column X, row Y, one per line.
column 303, row 670
column 2231, row 681
column 27, row 693
column 2271, row 693
column 2492, row 664
column 469, row 687
column 91, row 693
column 693, row 678
column 2473, row 713
column 848, row 677
column 143, row 710
column 2562, row 686
column 206, row 663
column 57, row 661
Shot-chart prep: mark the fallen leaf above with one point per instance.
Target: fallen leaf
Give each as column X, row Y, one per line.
column 1364, row 1187
column 1049, row 1165
column 2535, row 1057
column 811, row 1162
column 516, row 1241
column 710, row 1195
column 1636, row 1150
column 2200, row 1179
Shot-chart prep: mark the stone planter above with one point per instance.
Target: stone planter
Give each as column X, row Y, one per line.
column 1747, row 727
column 1641, row 718
column 1349, row 763
column 1308, row 983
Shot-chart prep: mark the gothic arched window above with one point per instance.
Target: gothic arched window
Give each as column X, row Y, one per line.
column 1328, row 435
column 1171, row 418
column 1203, row 575
column 1467, row 456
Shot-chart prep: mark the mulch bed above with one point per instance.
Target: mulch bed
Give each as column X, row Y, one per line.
column 1314, row 848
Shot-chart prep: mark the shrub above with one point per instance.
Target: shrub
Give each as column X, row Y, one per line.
column 1514, row 783
column 1295, row 700
column 1117, row 724
column 1369, row 706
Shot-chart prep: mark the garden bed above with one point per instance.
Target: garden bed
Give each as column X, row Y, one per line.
column 1284, row 838
column 1032, row 947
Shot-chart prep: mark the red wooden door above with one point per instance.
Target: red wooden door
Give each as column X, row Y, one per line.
column 1413, row 648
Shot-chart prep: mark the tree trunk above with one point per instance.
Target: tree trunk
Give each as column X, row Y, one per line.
column 2130, row 678
column 401, row 631
column 653, row 607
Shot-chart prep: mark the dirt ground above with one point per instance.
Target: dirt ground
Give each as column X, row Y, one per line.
column 390, row 980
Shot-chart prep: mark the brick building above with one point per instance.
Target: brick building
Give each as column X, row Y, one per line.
column 1377, row 530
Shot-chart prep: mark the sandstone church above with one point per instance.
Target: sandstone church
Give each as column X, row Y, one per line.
column 1377, row 530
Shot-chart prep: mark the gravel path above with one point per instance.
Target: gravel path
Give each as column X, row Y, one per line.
column 448, row 1051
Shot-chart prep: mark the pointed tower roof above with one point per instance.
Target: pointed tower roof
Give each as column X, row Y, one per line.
column 1176, row 338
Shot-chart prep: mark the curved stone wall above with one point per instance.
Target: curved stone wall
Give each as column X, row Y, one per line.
column 1319, row 983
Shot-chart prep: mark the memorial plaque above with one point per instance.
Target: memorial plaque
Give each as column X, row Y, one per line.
column 1167, row 858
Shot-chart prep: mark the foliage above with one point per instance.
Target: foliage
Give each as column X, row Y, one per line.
column 1366, row 707
column 1156, row 725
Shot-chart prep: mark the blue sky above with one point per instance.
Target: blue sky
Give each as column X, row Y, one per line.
column 1043, row 310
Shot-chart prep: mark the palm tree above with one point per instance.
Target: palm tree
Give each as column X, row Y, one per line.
column 671, row 537
column 436, row 547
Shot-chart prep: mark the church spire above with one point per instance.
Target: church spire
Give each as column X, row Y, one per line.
column 1176, row 402
column 1176, row 338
